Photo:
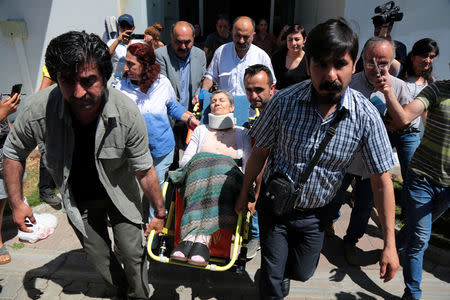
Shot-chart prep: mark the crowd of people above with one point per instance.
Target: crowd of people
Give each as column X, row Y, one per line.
column 118, row 116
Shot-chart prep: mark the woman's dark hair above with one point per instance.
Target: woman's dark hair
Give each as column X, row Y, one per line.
column 69, row 51
column 146, row 57
column 259, row 21
column 331, row 37
column 421, row 47
column 296, row 28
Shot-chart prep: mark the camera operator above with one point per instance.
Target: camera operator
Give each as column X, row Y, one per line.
column 118, row 47
column 383, row 22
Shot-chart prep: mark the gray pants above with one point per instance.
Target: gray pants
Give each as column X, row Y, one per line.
column 130, row 281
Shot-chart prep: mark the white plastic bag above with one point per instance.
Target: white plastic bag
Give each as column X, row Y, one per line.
column 45, row 226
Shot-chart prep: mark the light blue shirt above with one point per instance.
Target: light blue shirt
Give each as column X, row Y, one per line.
column 159, row 101
column 185, row 78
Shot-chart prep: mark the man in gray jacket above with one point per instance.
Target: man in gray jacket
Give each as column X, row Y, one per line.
column 96, row 150
column 184, row 65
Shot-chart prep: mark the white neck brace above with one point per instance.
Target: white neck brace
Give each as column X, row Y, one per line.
column 221, row 122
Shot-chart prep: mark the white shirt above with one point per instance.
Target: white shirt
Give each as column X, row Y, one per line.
column 228, row 69
column 244, row 146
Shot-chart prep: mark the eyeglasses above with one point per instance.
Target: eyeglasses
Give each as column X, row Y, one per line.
column 371, row 65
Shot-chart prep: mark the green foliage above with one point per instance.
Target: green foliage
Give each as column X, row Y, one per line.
column 33, row 199
column 17, row 246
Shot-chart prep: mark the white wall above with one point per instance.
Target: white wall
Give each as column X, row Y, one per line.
column 36, row 16
column 310, row 13
column 45, row 19
column 421, row 19
column 137, row 9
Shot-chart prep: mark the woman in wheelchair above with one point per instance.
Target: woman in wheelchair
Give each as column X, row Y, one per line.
column 210, row 179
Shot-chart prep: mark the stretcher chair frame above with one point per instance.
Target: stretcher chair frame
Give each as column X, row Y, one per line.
column 236, row 259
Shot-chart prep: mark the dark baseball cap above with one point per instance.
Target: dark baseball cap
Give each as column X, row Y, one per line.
column 126, row 18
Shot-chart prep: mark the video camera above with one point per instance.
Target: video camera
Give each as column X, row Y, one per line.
column 387, row 13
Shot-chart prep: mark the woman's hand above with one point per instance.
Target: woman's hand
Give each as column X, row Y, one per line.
column 193, row 123
column 9, row 106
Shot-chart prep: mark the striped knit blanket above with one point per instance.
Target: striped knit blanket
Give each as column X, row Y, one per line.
column 209, row 185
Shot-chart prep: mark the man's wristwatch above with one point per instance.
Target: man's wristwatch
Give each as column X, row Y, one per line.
column 161, row 217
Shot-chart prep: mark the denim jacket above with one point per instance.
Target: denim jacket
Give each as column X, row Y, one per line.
column 121, row 147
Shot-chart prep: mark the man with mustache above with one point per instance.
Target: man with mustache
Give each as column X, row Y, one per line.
column 228, row 65
column 184, row 65
column 289, row 132
column 96, row 150
column 377, row 89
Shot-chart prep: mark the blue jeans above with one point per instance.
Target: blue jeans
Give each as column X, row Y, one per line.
column 359, row 218
column 425, row 203
column 254, row 227
column 406, row 144
column 161, row 165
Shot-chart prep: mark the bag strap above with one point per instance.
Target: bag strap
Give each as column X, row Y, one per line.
column 331, row 131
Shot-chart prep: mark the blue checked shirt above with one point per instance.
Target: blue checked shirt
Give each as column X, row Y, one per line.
column 292, row 126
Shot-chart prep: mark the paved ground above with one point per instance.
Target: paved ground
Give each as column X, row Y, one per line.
column 56, row 268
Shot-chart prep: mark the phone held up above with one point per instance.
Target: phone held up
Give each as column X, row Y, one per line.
column 16, row 89
column 135, row 36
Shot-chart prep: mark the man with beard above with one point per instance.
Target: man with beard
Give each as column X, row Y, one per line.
column 378, row 88
column 184, row 65
column 228, row 65
column 290, row 132
column 96, row 150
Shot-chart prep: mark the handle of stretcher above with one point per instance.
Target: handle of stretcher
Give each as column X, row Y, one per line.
column 212, row 267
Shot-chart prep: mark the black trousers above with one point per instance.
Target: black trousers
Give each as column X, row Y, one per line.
column 290, row 248
column 46, row 183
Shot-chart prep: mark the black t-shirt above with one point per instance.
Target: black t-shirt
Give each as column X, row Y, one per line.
column 83, row 179
column 284, row 76
column 214, row 41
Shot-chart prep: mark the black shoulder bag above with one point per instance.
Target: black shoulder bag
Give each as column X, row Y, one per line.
column 280, row 190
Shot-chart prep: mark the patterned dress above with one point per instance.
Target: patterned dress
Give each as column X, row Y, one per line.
column 209, row 185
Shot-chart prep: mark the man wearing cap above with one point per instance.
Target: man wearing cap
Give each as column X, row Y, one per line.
column 118, row 47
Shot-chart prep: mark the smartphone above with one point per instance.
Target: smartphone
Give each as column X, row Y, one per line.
column 376, row 66
column 16, row 89
column 137, row 36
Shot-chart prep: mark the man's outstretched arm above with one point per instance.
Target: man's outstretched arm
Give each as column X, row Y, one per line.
column 150, row 185
column 383, row 192
column 13, row 173
column 254, row 166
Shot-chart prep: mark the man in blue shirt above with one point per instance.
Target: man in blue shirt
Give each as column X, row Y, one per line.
column 289, row 132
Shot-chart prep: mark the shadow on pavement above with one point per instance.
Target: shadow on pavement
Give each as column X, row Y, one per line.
column 171, row 281
column 349, row 296
column 72, row 272
column 333, row 251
